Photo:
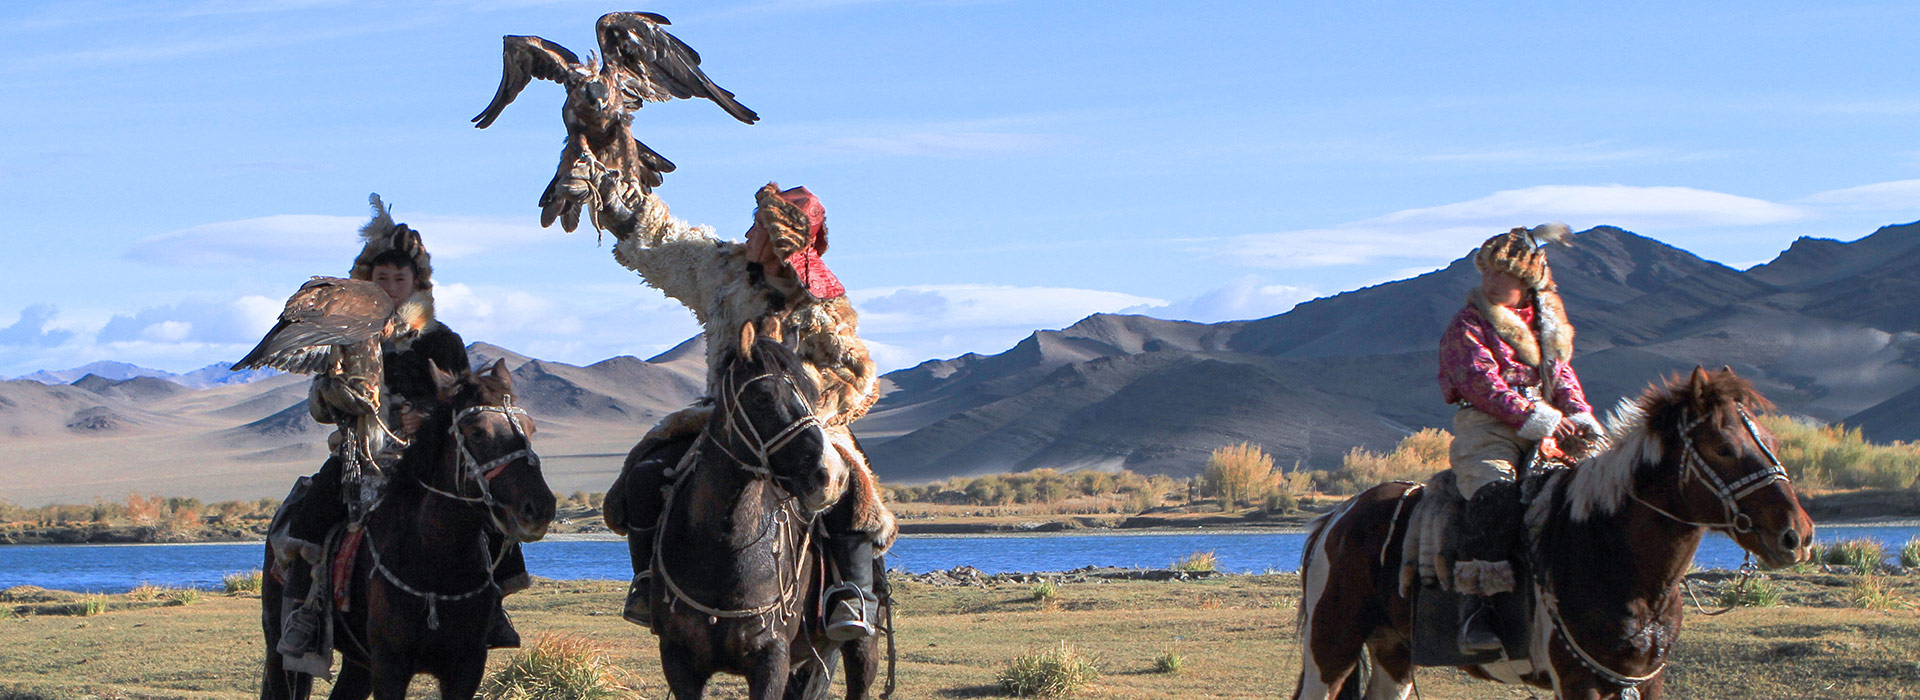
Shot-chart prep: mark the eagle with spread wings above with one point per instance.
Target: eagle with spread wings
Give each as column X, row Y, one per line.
column 333, row 328
column 604, row 168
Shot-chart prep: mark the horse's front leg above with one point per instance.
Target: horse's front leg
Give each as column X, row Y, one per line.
column 355, row 682
column 768, row 681
column 684, row 677
column 392, row 673
column 461, row 678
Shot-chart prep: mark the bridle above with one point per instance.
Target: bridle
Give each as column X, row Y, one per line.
column 739, row 426
column 1694, row 467
column 470, row 470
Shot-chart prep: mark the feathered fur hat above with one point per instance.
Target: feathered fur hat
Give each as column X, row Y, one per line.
column 796, row 226
column 380, row 235
column 1518, row 253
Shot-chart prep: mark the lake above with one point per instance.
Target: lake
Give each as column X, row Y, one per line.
column 117, row 568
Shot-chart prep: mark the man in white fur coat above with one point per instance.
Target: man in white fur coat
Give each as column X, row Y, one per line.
column 777, row 281
column 1504, row 362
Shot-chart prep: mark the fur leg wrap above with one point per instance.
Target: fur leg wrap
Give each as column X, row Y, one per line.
column 1482, row 578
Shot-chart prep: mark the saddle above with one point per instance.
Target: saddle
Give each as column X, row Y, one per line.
column 1430, row 547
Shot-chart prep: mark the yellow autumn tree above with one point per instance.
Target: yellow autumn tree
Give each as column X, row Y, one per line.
column 1238, row 473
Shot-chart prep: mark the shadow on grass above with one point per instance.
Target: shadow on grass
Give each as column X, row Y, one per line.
column 972, row 691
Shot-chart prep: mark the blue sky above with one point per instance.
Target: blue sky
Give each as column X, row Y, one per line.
column 169, row 172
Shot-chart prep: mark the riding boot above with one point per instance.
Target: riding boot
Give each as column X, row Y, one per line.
column 500, row 632
column 851, row 604
column 1484, row 570
column 301, row 609
column 639, row 607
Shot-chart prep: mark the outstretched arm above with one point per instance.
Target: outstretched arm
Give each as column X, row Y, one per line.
column 686, row 261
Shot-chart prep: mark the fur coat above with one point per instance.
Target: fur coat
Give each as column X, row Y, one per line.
column 1493, row 358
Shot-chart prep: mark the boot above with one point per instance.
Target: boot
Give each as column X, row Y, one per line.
column 639, row 607
column 1476, row 625
column 851, row 604
column 500, row 632
column 1483, row 569
column 301, row 610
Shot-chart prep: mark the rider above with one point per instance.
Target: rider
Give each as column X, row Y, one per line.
column 393, row 257
column 1504, row 362
column 775, row 278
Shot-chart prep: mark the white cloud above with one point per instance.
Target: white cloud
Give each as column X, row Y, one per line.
column 1244, row 298
column 282, row 237
column 942, row 307
column 1447, row 231
column 1901, row 195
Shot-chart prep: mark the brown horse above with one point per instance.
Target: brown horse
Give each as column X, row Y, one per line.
column 421, row 591
column 737, row 552
column 1614, row 536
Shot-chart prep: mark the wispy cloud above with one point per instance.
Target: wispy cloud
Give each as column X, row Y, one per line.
column 1550, row 155
column 282, row 237
column 1903, row 195
column 1445, row 231
column 1246, row 297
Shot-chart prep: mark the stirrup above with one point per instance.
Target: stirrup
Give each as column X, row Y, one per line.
column 299, row 633
column 850, row 612
column 639, row 610
column 1476, row 631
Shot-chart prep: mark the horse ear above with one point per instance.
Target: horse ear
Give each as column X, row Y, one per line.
column 1726, row 370
column 770, row 329
column 747, row 337
column 1697, row 387
column 498, row 372
column 443, row 382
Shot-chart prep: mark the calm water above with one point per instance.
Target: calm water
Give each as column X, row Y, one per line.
column 116, row 568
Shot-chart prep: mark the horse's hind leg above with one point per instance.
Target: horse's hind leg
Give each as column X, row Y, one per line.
column 1331, row 636
column 1392, row 677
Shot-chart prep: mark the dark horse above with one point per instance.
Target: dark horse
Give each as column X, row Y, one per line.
column 1615, row 536
column 421, row 590
column 737, row 553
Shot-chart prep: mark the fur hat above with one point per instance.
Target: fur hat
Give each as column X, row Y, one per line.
column 1518, row 252
column 380, row 235
column 796, row 226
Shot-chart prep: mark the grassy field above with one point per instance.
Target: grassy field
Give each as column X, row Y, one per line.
column 1234, row 636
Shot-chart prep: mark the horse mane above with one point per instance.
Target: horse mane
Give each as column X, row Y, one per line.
column 1639, row 429
column 772, row 355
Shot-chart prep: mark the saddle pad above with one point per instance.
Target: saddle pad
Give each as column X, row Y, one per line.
column 341, row 570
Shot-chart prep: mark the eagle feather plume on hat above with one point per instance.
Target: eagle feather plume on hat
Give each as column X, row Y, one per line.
column 639, row 63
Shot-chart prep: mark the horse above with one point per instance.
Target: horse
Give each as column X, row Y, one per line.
column 1613, row 539
column 739, row 568
column 421, row 591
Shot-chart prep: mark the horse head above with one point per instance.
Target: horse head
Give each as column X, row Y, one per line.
column 1720, row 471
column 764, row 418
column 487, row 457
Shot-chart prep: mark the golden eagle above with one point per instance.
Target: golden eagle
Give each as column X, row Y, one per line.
column 333, row 328
column 640, row 62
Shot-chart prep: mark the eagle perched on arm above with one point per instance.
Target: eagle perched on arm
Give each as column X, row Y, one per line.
column 603, row 167
column 333, row 328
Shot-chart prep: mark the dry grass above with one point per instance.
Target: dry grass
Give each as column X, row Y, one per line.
column 1197, row 562
column 1057, row 672
column 954, row 642
column 557, row 667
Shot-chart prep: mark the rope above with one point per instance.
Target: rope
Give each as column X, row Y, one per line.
column 433, row 599
column 789, row 587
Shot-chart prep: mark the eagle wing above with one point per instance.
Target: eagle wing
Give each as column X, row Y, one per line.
column 526, row 58
column 656, row 66
column 321, row 321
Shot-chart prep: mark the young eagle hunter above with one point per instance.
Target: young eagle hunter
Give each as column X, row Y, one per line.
column 1504, row 362
column 774, row 278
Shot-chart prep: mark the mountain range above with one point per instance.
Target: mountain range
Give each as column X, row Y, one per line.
column 1825, row 331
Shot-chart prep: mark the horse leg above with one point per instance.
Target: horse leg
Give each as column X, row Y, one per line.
column 355, row 682
column 460, row 680
column 1330, row 639
column 1392, row 677
column 862, row 665
column 684, row 678
column 390, row 676
column 768, row 678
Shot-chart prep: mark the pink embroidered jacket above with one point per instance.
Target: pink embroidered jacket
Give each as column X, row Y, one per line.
column 1478, row 367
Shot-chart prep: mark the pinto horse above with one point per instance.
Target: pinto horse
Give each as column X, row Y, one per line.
column 1613, row 538
column 737, row 560
column 421, row 591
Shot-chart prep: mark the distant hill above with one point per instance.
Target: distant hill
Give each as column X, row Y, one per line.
column 210, row 375
column 1825, row 330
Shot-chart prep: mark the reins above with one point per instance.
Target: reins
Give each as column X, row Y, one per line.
column 1694, row 466
column 738, row 425
column 468, row 469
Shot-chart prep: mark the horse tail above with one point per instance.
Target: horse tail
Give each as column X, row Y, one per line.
column 1316, row 529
